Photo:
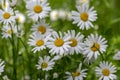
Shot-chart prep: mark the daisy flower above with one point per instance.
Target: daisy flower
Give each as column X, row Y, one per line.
column 80, row 2
column 117, row 56
column 7, row 16
column 84, row 16
column 20, row 17
column 1, row 66
column 7, row 30
column 45, row 63
column 42, row 27
column 79, row 74
column 76, row 39
column 54, row 16
column 38, row 41
column 94, row 45
column 106, row 71
column 37, row 9
column 58, row 43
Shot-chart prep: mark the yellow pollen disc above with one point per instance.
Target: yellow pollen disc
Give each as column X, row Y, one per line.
column 6, row 15
column 95, row 47
column 39, row 42
column 44, row 65
column 37, row 9
column 105, row 72
column 10, row 31
column 84, row 16
column 59, row 42
column 74, row 42
column 75, row 74
column 42, row 29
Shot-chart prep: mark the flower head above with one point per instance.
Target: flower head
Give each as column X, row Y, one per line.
column 58, row 43
column 42, row 27
column 8, row 30
column 7, row 16
column 117, row 56
column 94, row 45
column 106, row 71
column 84, row 16
column 76, row 42
column 37, row 9
column 45, row 63
column 79, row 74
column 38, row 41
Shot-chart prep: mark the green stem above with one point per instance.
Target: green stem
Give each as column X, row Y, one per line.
column 101, row 55
column 14, row 58
column 29, row 58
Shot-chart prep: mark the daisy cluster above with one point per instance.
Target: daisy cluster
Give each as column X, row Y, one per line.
column 67, row 43
column 53, row 46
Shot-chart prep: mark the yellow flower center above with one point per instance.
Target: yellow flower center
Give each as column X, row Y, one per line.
column 44, row 65
column 75, row 74
column 59, row 42
column 105, row 72
column 42, row 29
column 39, row 42
column 74, row 42
column 95, row 47
column 84, row 16
column 6, row 15
column 37, row 9
column 10, row 31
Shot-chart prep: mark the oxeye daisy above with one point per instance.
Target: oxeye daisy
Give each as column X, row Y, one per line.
column 8, row 30
column 42, row 27
column 84, row 16
column 79, row 74
column 106, row 71
column 7, row 16
column 58, row 43
column 38, row 41
column 117, row 56
column 76, row 39
column 37, row 9
column 45, row 63
column 1, row 66
column 94, row 45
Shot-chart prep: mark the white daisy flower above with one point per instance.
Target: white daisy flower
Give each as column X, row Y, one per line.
column 8, row 30
column 94, row 45
column 80, row 2
column 54, row 15
column 37, row 9
column 20, row 18
column 79, row 74
column 117, row 56
column 58, row 43
column 76, row 39
column 7, row 16
column 69, row 16
column 106, row 71
column 5, row 77
column 38, row 41
column 42, row 27
column 84, row 16
column 1, row 66
column 45, row 63
column 5, row 3
column 62, row 14
column 55, row 75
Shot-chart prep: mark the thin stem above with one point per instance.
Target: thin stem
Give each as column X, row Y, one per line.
column 29, row 58
column 14, row 57
column 101, row 55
